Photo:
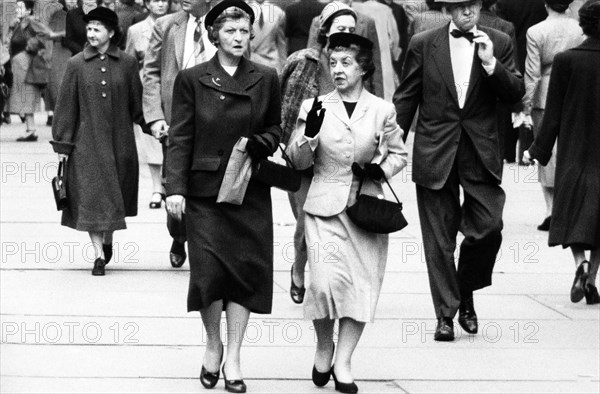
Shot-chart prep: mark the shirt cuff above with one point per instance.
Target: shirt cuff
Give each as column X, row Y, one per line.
column 489, row 69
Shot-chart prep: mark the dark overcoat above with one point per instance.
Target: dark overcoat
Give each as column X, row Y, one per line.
column 99, row 100
column 201, row 137
column 573, row 115
column 428, row 83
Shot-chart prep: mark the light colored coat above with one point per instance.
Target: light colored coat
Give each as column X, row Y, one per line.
column 370, row 135
column 138, row 38
column 163, row 60
column 544, row 40
column 269, row 46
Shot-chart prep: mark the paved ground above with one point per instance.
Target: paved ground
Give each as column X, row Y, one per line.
column 66, row 331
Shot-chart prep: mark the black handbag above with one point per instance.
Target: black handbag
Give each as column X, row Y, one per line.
column 377, row 215
column 276, row 175
column 59, row 186
column 38, row 73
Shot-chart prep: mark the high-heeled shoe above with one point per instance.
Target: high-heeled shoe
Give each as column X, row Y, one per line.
column 591, row 294
column 581, row 274
column 210, row 379
column 350, row 388
column 156, row 204
column 296, row 292
column 233, row 386
column 320, row 379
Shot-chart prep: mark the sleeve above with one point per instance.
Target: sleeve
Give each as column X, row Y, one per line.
column 301, row 148
column 181, row 137
column 135, row 98
column 395, row 157
column 408, row 95
column 533, row 71
column 541, row 149
column 271, row 135
column 506, row 80
column 151, row 99
column 281, row 41
column 70, row 40
column 66, row 113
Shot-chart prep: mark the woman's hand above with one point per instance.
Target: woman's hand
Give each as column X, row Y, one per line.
column 371, row 170
column 256, row 149
column 314, row 121
column 176, row 206
column 527, row 159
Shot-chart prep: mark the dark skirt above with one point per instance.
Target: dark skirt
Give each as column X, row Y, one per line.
column 231, row 251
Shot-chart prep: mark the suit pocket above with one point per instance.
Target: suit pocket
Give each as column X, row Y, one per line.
column 206, row 163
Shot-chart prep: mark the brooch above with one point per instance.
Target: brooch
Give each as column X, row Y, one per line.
column 216, row 81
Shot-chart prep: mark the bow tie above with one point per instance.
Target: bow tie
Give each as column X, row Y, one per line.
column 458, row 33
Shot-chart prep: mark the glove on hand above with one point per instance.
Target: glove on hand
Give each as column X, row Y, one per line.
column 374, row 171
column 256, row 149
column 314, row 121
column 357, row 170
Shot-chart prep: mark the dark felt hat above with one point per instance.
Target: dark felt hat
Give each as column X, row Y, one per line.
column 559, row 2
column 222, row 6
column 347, row 39
column 104, row 15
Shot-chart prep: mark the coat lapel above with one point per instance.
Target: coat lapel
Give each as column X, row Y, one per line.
column 336, row 106
column 441, row 57
column 476, row 74
column 244, row 78
column 361, row 106
column 179, row 37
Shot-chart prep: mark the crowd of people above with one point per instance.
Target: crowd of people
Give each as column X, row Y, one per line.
column 338, row 86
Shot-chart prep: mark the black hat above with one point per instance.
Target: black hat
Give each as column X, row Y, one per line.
column 559, row 2
column 222, row 6
column 104, row 15
column 347, row 39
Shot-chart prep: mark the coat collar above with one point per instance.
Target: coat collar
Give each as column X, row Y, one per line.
column 244, row 78
column 590, row 44
column 89, row 52
column 339, row 110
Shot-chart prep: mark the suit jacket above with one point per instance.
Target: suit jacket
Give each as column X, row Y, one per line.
column 138, row 38
column 269, row 46
column 211, row 111
column 163, row 60
column 298, row 17
column 428, row 83
column 544, row 40
column 365, row 26
column 370, row 135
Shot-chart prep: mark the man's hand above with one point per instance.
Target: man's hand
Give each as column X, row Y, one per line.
column 176, row 206
column 160, row 129
column 527, row 158
column 485, row 49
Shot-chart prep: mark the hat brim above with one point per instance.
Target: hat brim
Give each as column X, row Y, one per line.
column 347, row 39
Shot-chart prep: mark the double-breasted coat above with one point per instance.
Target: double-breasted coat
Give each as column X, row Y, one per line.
column 572, row 115
column 98, row 102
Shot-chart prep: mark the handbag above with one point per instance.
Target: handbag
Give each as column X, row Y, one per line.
column 38, row 73
column 276, row 175
column 237, row 175
column 59, row 186
column 377, row 215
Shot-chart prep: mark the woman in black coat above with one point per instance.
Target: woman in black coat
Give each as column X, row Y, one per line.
column 230, row 246
column 573, row 115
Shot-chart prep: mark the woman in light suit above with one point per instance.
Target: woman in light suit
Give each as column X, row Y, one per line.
column 340, row 133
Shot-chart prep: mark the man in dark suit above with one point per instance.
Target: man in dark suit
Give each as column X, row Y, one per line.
column 456, row 75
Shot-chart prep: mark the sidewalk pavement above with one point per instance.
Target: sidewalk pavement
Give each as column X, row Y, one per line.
column 64, row 330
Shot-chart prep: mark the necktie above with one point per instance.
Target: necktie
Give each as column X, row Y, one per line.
column 261, row 18
column 458, row 33
column 198, row 37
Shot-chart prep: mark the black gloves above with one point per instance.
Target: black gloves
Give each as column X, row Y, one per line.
column 256, row 149
column 314, row 121
column 371, row 170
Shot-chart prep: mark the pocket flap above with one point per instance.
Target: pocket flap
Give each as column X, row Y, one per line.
column 206, row 163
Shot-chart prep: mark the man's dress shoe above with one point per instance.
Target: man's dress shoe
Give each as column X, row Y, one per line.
column 177, row 254
column 467, row 318
column 444, row 332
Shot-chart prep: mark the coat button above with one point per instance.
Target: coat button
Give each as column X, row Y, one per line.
column 102, row 57
column 103, row 83
column 103, row 69
column 348, row 155
column 220, row 152
column 104, row 94
column 222, row 97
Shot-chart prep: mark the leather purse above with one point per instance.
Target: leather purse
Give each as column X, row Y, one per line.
column 38, row 73
column 276, row 175
column 377, row 215
column 59, row 186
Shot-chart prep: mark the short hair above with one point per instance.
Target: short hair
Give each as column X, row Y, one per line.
column 363, row 56
column 559, row 6
column 231, row 13
column 324, row 29
column 589, row 18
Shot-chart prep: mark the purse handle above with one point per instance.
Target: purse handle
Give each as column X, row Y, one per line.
column 286, row 157
column 386, row 181
column 61, row 170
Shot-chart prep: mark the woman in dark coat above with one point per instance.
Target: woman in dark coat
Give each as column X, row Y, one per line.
column 98, row 103
column 230, row 246
column 573, row 115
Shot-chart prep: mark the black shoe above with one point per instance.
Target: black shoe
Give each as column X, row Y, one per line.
column 444, row 332
column 156, row 204
column 344, row 387
column 210, row 379
column 577, row 291
column 233, row 386
column 108, row 252
column 98, row 269
column 467, row 318
column 177, row 254
column 545, row 226
column 49, row 121
column 296, row 292
column 30, row 137
column 320, row 379
column 591, row 294
column 22, row 119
